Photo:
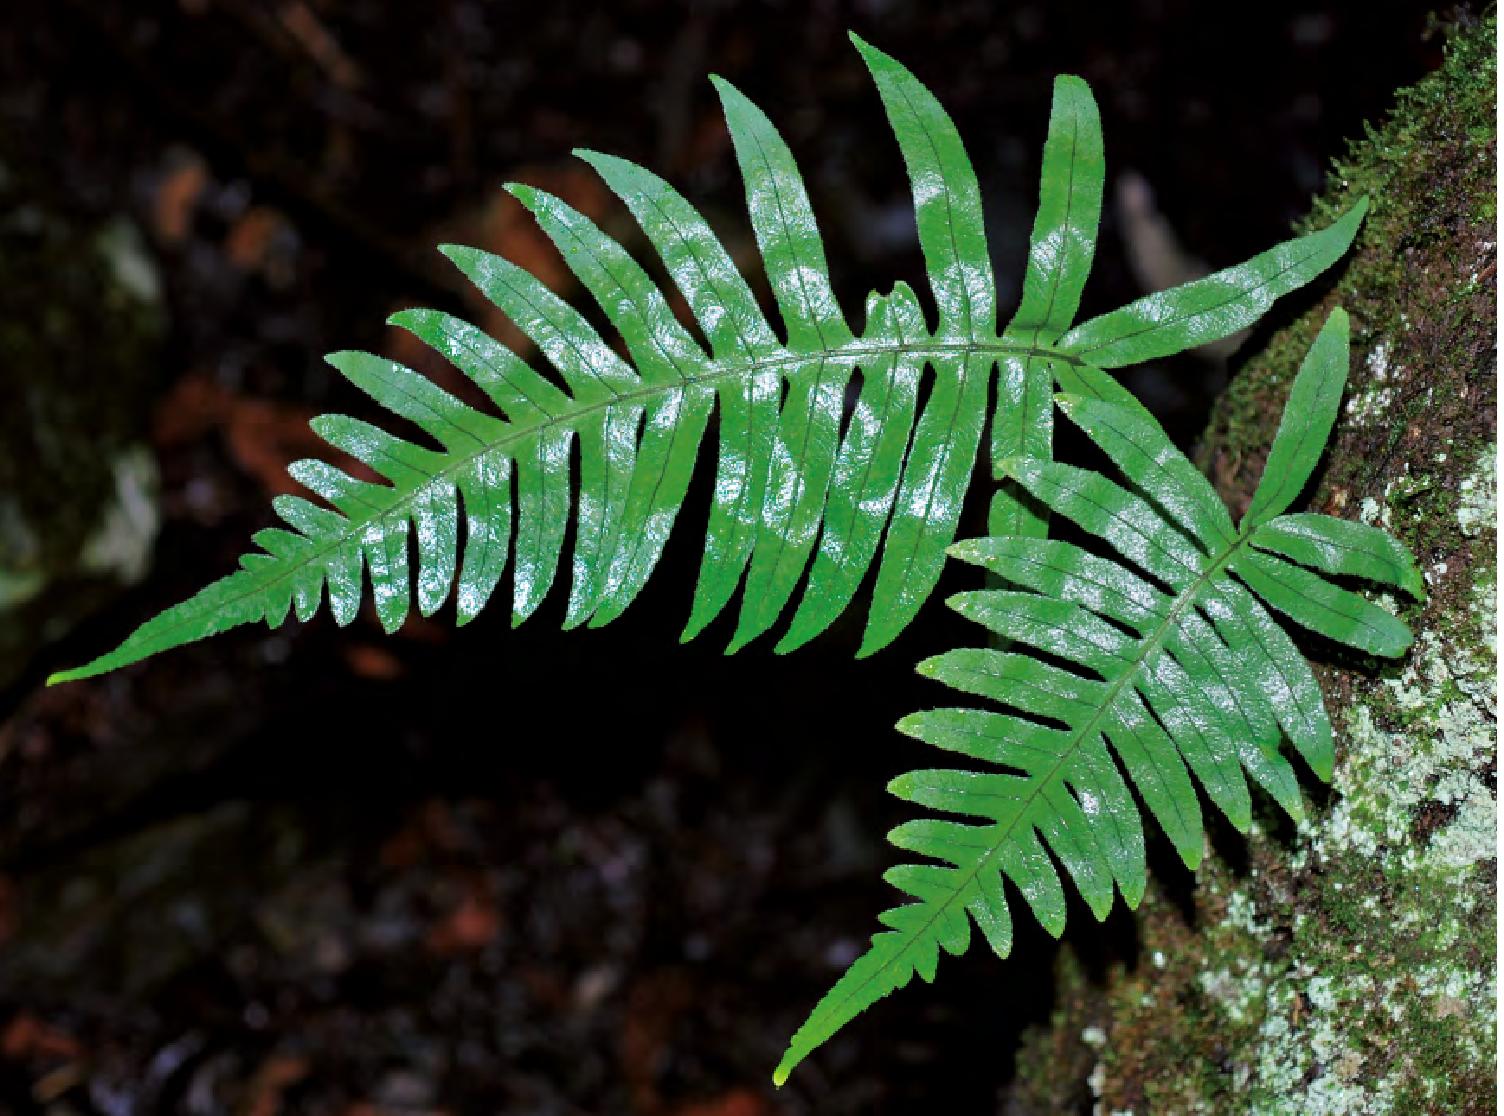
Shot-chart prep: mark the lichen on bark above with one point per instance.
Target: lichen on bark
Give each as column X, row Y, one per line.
column 1348, row 966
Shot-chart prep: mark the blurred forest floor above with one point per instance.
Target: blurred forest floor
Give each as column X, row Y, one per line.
column 323, row 871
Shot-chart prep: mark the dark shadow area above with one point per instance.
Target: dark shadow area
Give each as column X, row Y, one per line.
column 485, row 869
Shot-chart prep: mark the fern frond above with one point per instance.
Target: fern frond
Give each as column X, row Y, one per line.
column 1163, row 665
column 805, row 494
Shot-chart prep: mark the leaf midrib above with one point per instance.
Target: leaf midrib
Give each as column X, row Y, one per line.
column 1190, row 315
column 322, row 546
column 1186, row 598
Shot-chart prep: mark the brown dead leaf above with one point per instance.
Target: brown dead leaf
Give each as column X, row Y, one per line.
column 403, row 849
column 263, row 436
column 738, row 1102
column 274, row 1077
column 249, row 241
column 176, row 198
column 440, row 829
column 53, row 1084
column 654, row 1004
column 430, row 828
column 471, row 925
column 309, row 32
column 27, row 1038
column 366, row 660
column 194, row 406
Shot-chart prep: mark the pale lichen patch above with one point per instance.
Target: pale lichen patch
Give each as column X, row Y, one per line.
column 1476, row 506
column 1377, row 965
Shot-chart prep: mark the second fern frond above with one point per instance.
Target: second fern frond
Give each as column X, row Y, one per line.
column 1175, row 674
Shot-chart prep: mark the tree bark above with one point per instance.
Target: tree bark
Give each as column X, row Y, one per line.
column 1348, row 965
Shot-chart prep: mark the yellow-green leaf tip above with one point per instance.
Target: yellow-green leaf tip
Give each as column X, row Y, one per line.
column 731, row 97
column 524, row 193
column 963, row 604
column 1007, row 467
column 900, row 785
column 876, row 59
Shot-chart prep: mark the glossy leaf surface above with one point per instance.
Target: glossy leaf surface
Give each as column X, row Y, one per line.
column 1212, row 308
column 810, row 488
column 1061, row 247
column 1154, row 664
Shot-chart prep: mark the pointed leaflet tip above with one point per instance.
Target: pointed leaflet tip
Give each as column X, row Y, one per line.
column 1213, row 307
column 1306, row 423
column 454, row 253
column 874, row 638
column 1008, row 467
column 341, row 359
column 878, row 59
column 967, row 550
column 1415, row 585
column 1063, row 240
column 524, row 193
column 603, row 162
column 728, row 93
column 956, row 602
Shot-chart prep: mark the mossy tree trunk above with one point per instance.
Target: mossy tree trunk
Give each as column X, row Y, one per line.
column 1348, row 966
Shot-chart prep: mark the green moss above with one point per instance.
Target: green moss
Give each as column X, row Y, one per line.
column 1324, row 976
column 1348, row 966
column 1421, row 272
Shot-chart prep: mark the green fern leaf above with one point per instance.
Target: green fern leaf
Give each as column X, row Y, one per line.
column 1060, row 254
column 804, row 494
column 1177, row 675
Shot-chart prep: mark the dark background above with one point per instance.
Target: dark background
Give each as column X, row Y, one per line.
column 328, row 871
